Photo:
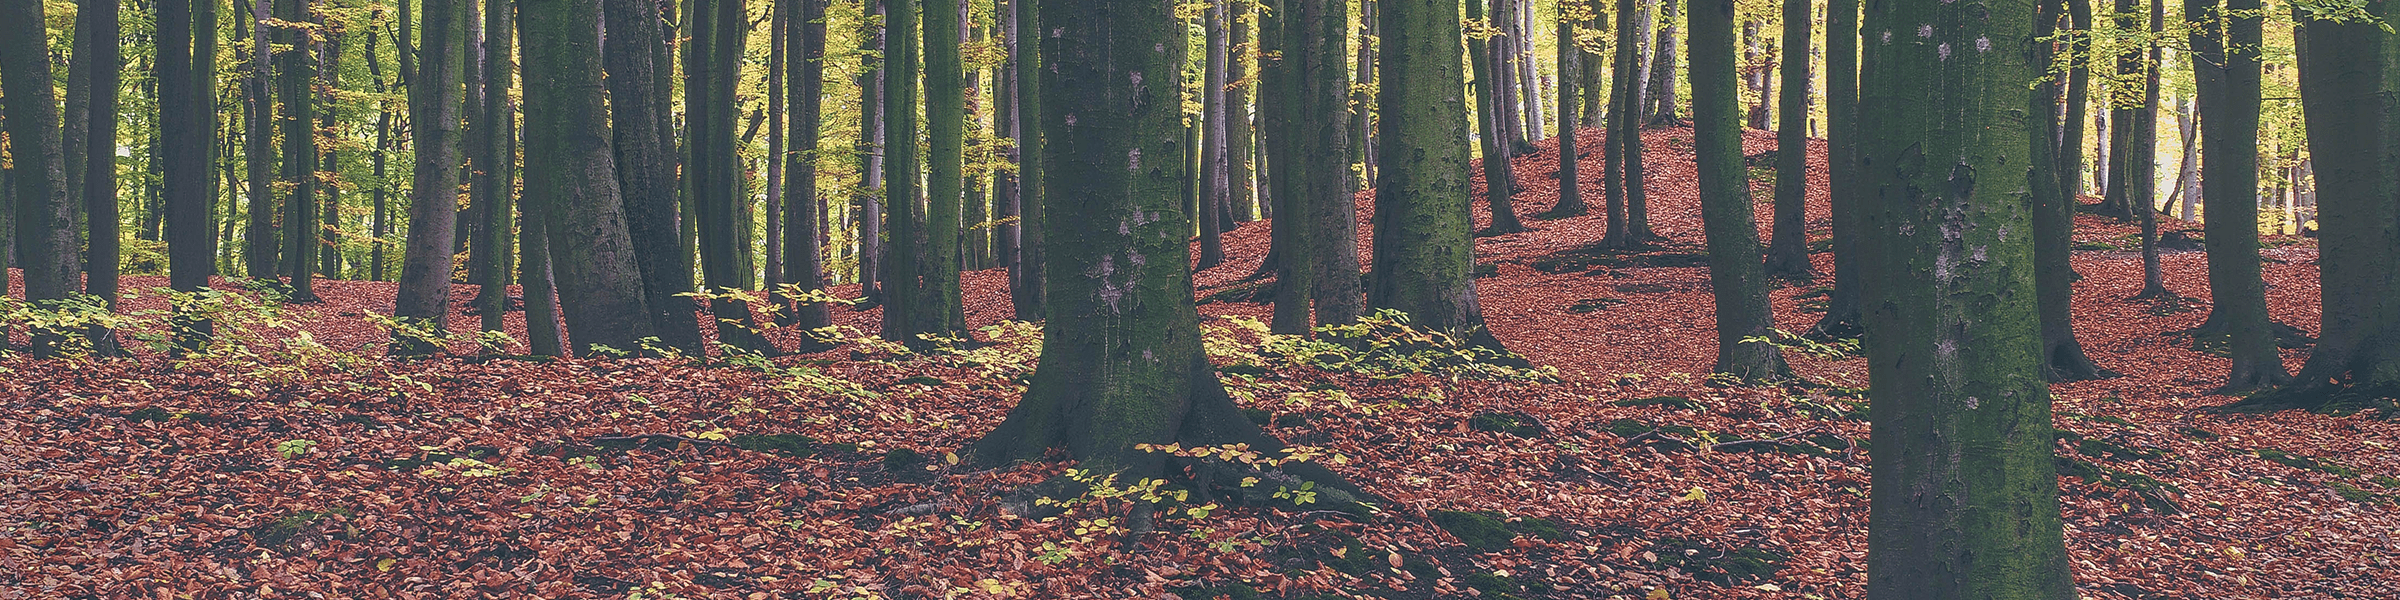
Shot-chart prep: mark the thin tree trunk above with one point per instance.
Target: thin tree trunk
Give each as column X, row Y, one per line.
column 329, row 259
column 804, row 250
column 872, row 164
column 1626, row 136
column 711, row 64
column 903, row 290
column 380, row 226
column 302, row 233
column 1844, row 193
column 183, row 118
column 1787, row 250
column 1030, row 293
column 1213, row 178
column 778, row 153
column 75, row 129
column 1499, row 175
column 1529, row 74
column 262, row 250
column 1239, row 136
column 1660, row 111
column 1737, row 280
column 2062, row 355
column 945, row 119
column 104, row 243
column 495, row 170
column 1570, row 183
column 1361, row 124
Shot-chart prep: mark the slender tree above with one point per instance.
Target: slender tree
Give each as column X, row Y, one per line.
column 1214, row 180
column 2056, row 154
column 45, row 213
column 903, row 291
column 75, row 127
column 1499, row 175
column 1121, row 359
column 1966, row 492
column 1029, row 282
column 329, row 81
column 1787, row 249
column 380, row 224
column 945, row 120
column 2139, row 177
column 105, row 243
column 1239, row 136
column 1570, row 183
column 1736, row 277
column 1424, row 251
column 804, row 250
column 713, row 174
column 1508, row 51
column 434, row 103
column 495, row 166
column 573, row 180
column 1362, row 93
column 1844, row 194
column 262, row 250
column 2347, row 69
column 871, row 255
column 295, row 70
column 2225, row 48
column 1625, row 138
column 182, row 118
column 1323, row 185
column 1659, row 108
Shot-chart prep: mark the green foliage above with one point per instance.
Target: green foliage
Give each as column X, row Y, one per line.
column 1720, row 566
column 69, row 321
column 291, row 449
column 1791, row 342
column 1383, row 343
column 1516, row 424
column 1678, row 402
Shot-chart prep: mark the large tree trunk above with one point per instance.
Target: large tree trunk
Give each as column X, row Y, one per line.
column 495, row 167
column 1736, row 277
column 2226, row 65
column 1031, row 282
column 45, row 213
column 1787, row 250
column 1845, row 196
column 1966, row 493
column 2347, row 74
column 1326, row 187
column 1626, row 136
column 1499, row 176
column 646, row 171
column 182, row 117
column 804, row 247
column 573, row 178
column 903, row 293
column 1424, row 251
column 100, row 178
column 945, row 120
column 433, row 95
column 296, row 68
column 1121, row 364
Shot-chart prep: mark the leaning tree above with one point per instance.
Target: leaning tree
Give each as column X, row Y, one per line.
column 1121, row 361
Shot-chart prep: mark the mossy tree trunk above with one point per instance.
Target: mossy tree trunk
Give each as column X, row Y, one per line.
column 1659, row 107
column 2056, row 151
column 1625, row 135
column 1424, row 249
column 433, row 99
column 1029, row 280
column 1844, row 197
column 2227, row 70
column 804, row 248
column 303, row 235
column 2349, row 75
column 1215, row 181
column 575, row 180
column 183, row 135
column 903, row 293
column 495, row 166
column 1570, row 184
column 1787, row 249
column 645, row 171
column 2138, row 178
column 1737, row 280
column 258, row 152
column 945, row 127
column 1966, row 493
column 1315, row 160
column 711, row 70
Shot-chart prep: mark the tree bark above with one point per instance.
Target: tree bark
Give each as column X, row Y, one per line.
column 1626, row 136
column 573, row 179
column 2056, row 156
column 1215, row 182
column 1570, row 184
column 303, row 234
column 903, row 291
column 1029, row 296
column 261, row 252
column 1736, row 277
column 2139, row 173
column 1326, row 187
column 945, row 119
column 711, row 69
column 1660, row 108
column 182, row 119
column 645, row 171
column 433, row 92
column 1966, row 490
column 1239, row 136
column 495, row 166
column 1122, row 365
column 329, row 73
column 1499, row 175
column 45, row 213
column 2226, row 66
column 804, row 248
column 871, row 160
column 1845, row 196
column 1787, row 250
column 1424, row 253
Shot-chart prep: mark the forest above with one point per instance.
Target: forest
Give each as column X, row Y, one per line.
column 1200, row 299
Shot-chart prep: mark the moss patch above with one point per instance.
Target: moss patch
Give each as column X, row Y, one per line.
column 1516, row 424
column 2152, row 491
column 787, row 444
column 1666, row 401
column 2305, row 463
column 1721, row 566
column 1489, row 531
column 1591, row 305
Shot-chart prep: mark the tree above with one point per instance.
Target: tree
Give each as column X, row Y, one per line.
column 1966, row 491
column 2139, row 178
column 573, row 178
column 1215, row 181
column 495, row 165
column 295, row 70
column 1318, row 220
column 433, row 105
column 903, row 288
column 1570, row 185
column 258, row 148
column 945, row 121
column 2347, row 69
column 100, row 164
column 1499, row 176
column 1787, row 250
column 711, row 70
column 804, row 250
column 45, row 213
column 871, row 164
column 1626, row 174
column 1424, row 251
column 645, row 171
column 182, row 118
column 1028, row 280
column 1658, row 108
column 1240, row 138
column 1842, row 182
column 2057, row 154
column 1121, row 361
column 2226, row 68
column 1737, row 279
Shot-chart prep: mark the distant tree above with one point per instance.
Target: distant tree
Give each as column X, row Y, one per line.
column 2225, row 48
column 1627, row 173
column 1424, row 249
column 1659, row 106
column 1319, row 207
column 258, row 138
column 434, row 104
column 105, row 242
column 495, row 165
column 871, row 164
column 943, row 311
column 1570, row 183
column 45, row 213
column 574, row 184
column 1787, row 249
column 1965, row 501
column 2138, row 179
column 1499, row 175
column 646, row 169
column 1121, row 360
column 1028, row 282
column 295, row 70
column 903, row 289
column 1844, row 193
column 1736, row 277
column 2346, row 70
column 1216, row 181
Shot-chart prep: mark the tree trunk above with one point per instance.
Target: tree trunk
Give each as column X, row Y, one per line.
column 1787, row 250
column 945, row 120
column 871, row 163
column 1325, row 188
column 75, row 128
column 573, row 179
column 1625, row 135
column 296, row 69
column 645, row 172
column 1507, row 52
column 1570, row 184
column 1758, row 64
column 1424, row 253
column 182, row 116
column 329, row 73
column 1660, row 110
column 541, row 295
column 1006, row 231
column 1362, row 130
column 2228, row 86
column 1122, row 365
column 261, row 253
column 711, row 62
column 804, row 248
column 1736, row 277
column 1845, row 196
column 1239, row 136
column 903, row 293
column 495, row 167
column 104, row 244
column 2054, row 278
column 433, row 94
column 1499, row 175
column 1214, row 181
column 1529, row 73
column 1030, row 295
column 2187, row 176
column 1965, row 500
column 2347, row 72
column 778, row 153
column 45, row 213
column 2139, row 170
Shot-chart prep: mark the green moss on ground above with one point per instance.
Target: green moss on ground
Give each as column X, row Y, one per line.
column 1487, row 531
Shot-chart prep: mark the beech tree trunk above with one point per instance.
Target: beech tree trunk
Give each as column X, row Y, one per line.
column 2054, row 202
column 182, row 120
column 574, row 180
column 45, row 213
column 1214, row 180
column 1031, row 280
column 2226, row 66
column 433, row 95
column 1499, row 175
column 1659, row 109
column 711, row 70
column 1570, row 190
column 1737, row 280
column 303, row 234
column 1787, row 250
column 945, row 120
column 1424, row 251
column 903, row 293
column 496, row 166
column 1965, row 501
column 261, row 251
column 804, row 248
column 1845, row 194
column 645, row 172
column 2139, row 172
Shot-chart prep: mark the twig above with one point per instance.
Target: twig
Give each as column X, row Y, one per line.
column 1740, row 444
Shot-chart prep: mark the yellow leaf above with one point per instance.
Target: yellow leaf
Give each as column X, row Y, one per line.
column 690, row 481
column 950, row 457
column 1659, row 594
column 385, row 564
column 1695, row 494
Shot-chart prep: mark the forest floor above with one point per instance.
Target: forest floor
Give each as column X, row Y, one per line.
column 308, row 465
